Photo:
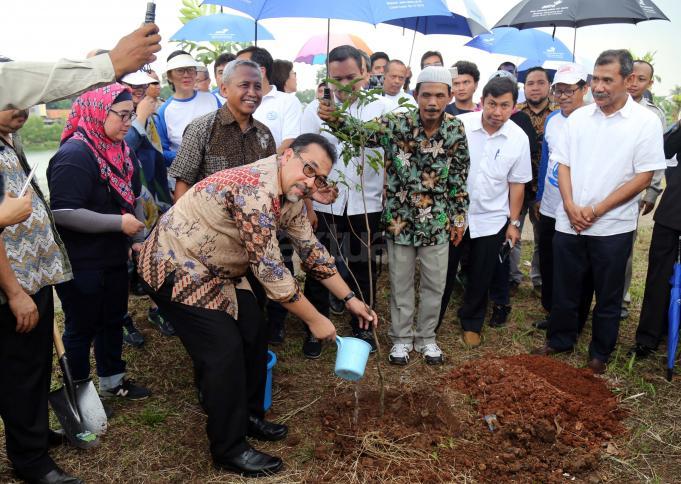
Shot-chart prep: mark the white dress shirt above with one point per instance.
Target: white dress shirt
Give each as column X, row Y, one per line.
column 281, row 112
column 349, row 195
column 604, row 152
column 496, row 161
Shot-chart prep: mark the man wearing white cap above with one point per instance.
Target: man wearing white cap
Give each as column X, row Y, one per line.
column 185, row 105
column 426, row 166
column 569, row 88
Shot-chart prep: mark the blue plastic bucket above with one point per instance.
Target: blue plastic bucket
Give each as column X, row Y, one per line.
column 271, row 361
column 352, row 356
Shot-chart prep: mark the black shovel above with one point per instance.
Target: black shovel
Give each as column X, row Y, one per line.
column 64, row 403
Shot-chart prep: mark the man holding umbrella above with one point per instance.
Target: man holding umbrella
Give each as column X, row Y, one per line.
column 607, row 156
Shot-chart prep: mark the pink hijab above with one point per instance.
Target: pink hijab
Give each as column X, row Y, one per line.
column 86, row 124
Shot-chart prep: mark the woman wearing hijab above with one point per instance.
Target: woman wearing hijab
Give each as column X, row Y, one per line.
column 92, row 197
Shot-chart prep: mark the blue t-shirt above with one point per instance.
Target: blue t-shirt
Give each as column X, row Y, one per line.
column 74, row 181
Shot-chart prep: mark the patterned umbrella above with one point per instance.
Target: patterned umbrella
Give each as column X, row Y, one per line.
column 314, row 49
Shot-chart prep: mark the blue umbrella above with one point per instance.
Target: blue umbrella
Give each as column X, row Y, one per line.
column 464, row 19
column 536, row 46
column 674, row 315
column 372, row 11
column 222, row 27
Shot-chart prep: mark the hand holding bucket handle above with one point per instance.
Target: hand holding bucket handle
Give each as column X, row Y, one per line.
column 322, row 329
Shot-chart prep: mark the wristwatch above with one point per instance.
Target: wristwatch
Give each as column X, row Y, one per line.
column 515, row 223
column 350, row 295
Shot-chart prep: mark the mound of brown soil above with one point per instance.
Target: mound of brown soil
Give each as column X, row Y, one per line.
column 550, row 419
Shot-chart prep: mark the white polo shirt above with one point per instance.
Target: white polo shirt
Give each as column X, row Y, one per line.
column 554, row 130
column 349, row 196
column 496, row 161
column 281, row 112
column 604, row 152
column 396, row 99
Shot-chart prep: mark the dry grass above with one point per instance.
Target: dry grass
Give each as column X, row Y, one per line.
column 163, row 439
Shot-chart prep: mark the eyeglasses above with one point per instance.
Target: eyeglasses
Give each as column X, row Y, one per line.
column 185, row 70
column 125, row 116
column 320, row 181
column 558, row 93
column 433, row 64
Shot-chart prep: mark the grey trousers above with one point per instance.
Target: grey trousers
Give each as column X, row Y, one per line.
column 402, row 266
column 626, row 297
column 514, row 257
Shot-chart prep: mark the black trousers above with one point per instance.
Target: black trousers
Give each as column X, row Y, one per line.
column 94, row 303
column 483, row 259
column 547, row 229
column 573, row 257
column 230, row 363
column 25, row 371
column 652, row 327
column 347, row 229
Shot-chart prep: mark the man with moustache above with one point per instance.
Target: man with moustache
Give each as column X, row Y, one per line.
column 194, row 264
column 426, row 165
column 228, row 137
column 27, row 273
column 599, row 185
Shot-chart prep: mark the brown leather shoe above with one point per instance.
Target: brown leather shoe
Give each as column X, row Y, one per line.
column 471, row 339
column 545, row 350
column 597, row 366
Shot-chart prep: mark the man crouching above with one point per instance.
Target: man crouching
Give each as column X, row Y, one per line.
column 195, row 263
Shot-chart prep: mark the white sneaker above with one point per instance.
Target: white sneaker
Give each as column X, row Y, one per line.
column 432, row 353
column 399, row 354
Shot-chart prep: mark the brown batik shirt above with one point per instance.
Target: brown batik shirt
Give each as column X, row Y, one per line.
column 224, row 225
column 215, row 142
column 538, row 123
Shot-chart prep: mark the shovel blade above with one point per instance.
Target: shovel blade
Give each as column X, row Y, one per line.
column 76, row 432
column 91, row 409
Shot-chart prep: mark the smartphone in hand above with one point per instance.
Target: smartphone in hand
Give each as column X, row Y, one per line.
column 505, row 250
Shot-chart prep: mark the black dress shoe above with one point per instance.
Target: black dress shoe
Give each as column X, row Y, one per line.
column 55, row 476
column 277, row 333
column 543, row 324
column 261, row 429
column 251, row 463
column 597, row 366
column 546, row 350
column 641, row 351
column 499, row 315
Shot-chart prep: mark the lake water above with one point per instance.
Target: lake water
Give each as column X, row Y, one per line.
column 42, row 158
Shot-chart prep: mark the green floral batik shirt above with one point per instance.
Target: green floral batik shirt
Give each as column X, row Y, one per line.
column 425, row 178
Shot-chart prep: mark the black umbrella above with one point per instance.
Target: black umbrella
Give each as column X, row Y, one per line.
column 579, row 13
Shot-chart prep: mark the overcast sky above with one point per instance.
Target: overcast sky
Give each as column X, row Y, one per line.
column 50, row 29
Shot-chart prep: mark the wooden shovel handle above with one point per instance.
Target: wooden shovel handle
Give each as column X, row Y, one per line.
column 58, row 343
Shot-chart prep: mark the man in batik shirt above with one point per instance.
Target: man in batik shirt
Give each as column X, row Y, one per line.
column 195, row 263
column 426, row 165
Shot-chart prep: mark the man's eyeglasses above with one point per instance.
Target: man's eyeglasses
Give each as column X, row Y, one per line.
column 558, row 93
column 185, row 70
column 433, row 64
column 320, row 181
column 125, row 116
